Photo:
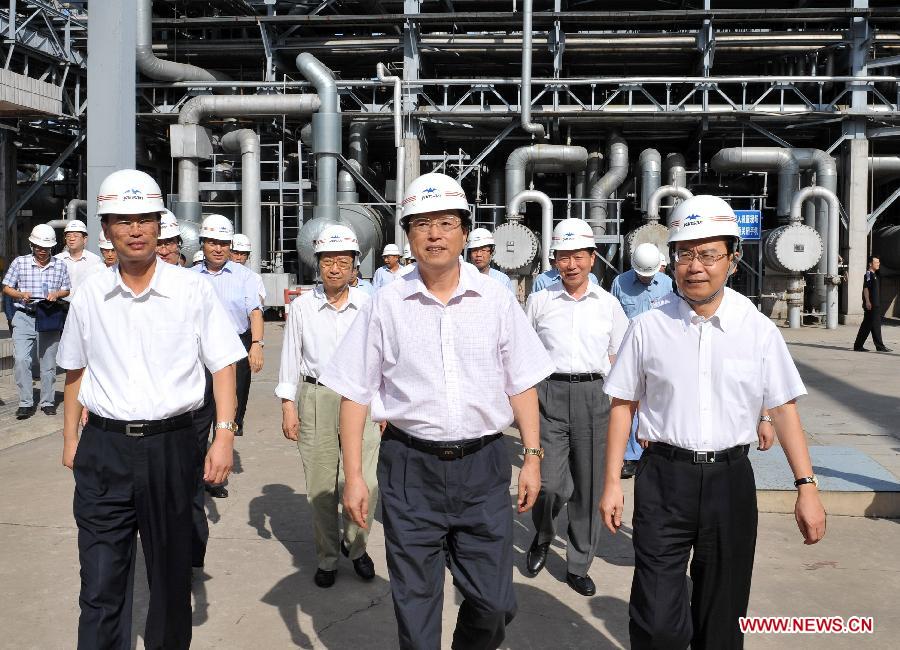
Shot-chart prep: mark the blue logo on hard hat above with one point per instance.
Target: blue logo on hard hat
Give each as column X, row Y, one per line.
column 431, row 193
column 692, row 220
column 133, row 193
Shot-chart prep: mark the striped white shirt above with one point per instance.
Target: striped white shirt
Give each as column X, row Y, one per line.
column 237, row 288
column 384, row 276
column 81, row 268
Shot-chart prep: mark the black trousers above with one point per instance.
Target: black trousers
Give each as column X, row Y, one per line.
column 679, row 506
column 242, row 379
column 871, row 323
column 124, row 485
column 427, row 502
column 200, row 531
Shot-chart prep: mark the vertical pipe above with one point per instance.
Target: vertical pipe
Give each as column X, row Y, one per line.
column 525, row 102
column 650, row 166
column 246, row 141
column 400, row 186
column 831, row 247
column 326, row 124
column 512, row 212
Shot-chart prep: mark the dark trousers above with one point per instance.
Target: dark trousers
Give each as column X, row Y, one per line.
column 200, row 532
column 871, row 323
column 679, row 506
column 573, row 432
column 124, row 485
column 242, row 379
column 465, row 503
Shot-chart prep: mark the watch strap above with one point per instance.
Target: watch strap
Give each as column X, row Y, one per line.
column 806, row 479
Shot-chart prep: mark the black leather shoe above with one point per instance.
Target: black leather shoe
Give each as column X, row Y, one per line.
column 24, row 412
column 217, row 491
column 363, row 565
column 49, row 410
column 324, row 579
column 536, row 557
column 860, row 350
column 884, row 349
column 629, row 468
column 582, row 584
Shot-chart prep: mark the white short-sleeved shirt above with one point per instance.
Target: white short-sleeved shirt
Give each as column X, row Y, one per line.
column 702, row 383
column 81, row 268
column 439, row 372
column 579, row 334
column 238, row 290
column 313, row 330
column 144, row 355
column 503, row 279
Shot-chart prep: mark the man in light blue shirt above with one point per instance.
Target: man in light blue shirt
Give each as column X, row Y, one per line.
column 358, row 282
column 639, row 290
column 480, row 252
column 391, row 270
column 547, row 278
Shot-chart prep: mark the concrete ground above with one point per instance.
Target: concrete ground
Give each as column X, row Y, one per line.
column 258, row 591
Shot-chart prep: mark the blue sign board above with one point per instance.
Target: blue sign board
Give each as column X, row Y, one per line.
column 750, row 223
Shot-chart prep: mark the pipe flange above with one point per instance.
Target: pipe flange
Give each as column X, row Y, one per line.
column 515, row 247
column 793, row 248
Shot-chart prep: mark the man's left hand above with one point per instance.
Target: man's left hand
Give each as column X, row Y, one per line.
column 810, row 514
column 255, row 356
column 765, row 433
column 52, row 296
column 529, row 483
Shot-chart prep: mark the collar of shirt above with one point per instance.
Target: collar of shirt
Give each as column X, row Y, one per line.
column 157, row 284
column 559, row 288
column 227, row 266
column 86, row 256
column 728, row 310
column 352, row 299
column 469, row 281
column 48, row 265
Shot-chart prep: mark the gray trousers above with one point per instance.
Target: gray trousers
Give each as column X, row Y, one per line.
column 24, row 337
column 573, row 433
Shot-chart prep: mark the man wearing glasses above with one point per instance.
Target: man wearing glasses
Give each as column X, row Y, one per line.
column 316, row 324
column 447, row 359
column 581, row 325
column 168, row 246
column 699, row 370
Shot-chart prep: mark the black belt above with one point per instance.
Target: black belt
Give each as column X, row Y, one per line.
column 575, row 377
column 443, row 450
column 312, row 380
column 698, row 457
column 141, row 428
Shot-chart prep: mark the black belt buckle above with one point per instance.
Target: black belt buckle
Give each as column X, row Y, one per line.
column 450, row 453
column 701, row 457
column 133, row 430
column 575, row 378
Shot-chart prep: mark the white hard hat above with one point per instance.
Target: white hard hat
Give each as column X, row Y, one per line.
column 333, row 239
column 198, row 257
column 663, row 260
column 168, row 226
column 480, row 237
column 431, row 193
column 129, row 191
column 104, row 244
column 702, row 216
column 216, row 226
column 43, row 235
column 645, row 260
column 407, row 253
column 390, row 249
column 240, row 243
column 573, row 235
column 75, row 225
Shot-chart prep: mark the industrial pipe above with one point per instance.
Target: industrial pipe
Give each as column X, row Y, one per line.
column 525, row 92
column 246, row 141
column 775, row 159
column 831, row 246
column 650, row 167
column 886, row 167
column 400, row 185
column 606, row 185
column 540, row 157
column 512, row 212
column 675, row 170
column 653, row 203
column 72, row 208
column 160, row 69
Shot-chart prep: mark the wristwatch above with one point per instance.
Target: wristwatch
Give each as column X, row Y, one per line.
column 534, row 451
column 807, row 479
column 765, row 418
column 262, row 343
column 230, row 426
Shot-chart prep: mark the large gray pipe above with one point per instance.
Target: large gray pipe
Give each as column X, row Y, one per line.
column 675, row 170
column 160, row 69
column 831, row 245
column 655, row 200
column 886, row 167
column 512, row 212
column 558, row 158
column 650, row 168
column 400, row 187
column 763, row 159
column 525, row 102
column 358, row 156
column 72, row 208
column 617, row 155
column 246, row 142
column 326, row 125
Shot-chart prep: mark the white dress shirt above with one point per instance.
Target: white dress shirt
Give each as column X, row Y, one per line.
column 144, row 354
column 702, row 383
column 439, row 372
column 502, row 278
column 579, row 334
column 311, row 335
column 384, row 276
column 81, row 268
column 237, row 288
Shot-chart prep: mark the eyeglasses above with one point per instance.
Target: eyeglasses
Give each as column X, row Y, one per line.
column 444, row 224
column 167, row 243
column 144, row 223
column 343, row 265
column 707, row 258
column 578, row 258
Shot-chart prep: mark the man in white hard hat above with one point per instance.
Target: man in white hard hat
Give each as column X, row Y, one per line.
column 135, row 346
column 408, row 255
column 317, row 322
column 699, row 370
column 107, row 251
column 79, row 261
column 168, row 246
column 581, row 326
column 197, row 258
column 447, row 359
column 638, row 290
column 240, row 254
column 359, row 282
column 32, row 281
column 481, row 250
column 386, row 274
column 663, row 262
column 550, row 276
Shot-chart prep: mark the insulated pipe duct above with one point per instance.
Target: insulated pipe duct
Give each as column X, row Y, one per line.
column 558, row 158
column 525, row 92
column 160, row 69
column 763, row 159
column 512, row 212
column 400, row 186
column 246, row 141
column 72, row 208
column 650, row 166
column 358, row 157
column 653, row 203
column 326, row 126
column 675, row 170
column 885, row 166
column 617, row 155
column 831, row 245
column 495, row 195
